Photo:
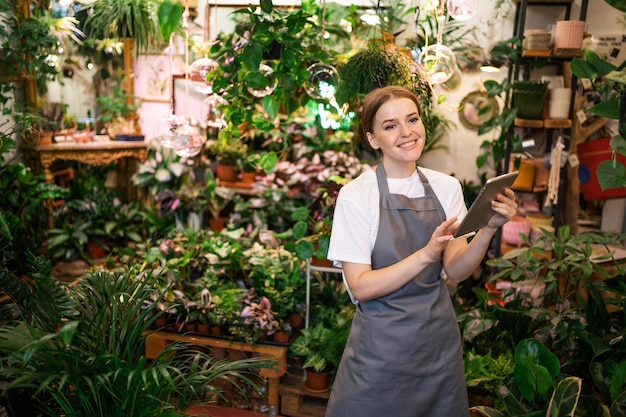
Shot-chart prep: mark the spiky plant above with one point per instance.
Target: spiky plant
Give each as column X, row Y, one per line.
column 79, row 348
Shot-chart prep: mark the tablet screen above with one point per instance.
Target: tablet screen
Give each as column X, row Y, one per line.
column 480, row 211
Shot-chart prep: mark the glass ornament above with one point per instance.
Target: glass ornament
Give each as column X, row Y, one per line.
column 322, row 81
column 166, row 140
column 438, row 63
column 174, row 121
column 462, row 9
column 188, row 141
column 214, row 116
column 198, row 71
column 267, row 72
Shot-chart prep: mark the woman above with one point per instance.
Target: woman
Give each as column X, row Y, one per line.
column 392, row 235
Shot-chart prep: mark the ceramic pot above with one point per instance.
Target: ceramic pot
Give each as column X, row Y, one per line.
column 226, row 172
column 316, row 381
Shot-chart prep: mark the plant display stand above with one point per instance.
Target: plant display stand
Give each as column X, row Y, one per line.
column 296, row 401
column 156, row 342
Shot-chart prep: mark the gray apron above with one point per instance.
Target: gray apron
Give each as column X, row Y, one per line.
column 403, row 357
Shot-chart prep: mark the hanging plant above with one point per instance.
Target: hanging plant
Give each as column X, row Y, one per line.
column 370, row 68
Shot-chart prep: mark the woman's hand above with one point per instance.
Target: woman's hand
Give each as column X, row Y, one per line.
column 440, row 238
column 505, row 207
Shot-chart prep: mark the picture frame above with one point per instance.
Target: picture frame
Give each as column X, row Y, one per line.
column 153, row 76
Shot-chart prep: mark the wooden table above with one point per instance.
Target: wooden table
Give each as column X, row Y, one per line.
column 101, row 152
column 156, row 342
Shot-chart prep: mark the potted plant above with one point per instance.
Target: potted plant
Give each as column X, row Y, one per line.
column 25, row 195
column 229, row 154
column 320, row 350
column 118, row 114
column 215, row 198
column 258, row 315
column 371, row 67
column 535, row 385
column 92, row 335
column 610, row 82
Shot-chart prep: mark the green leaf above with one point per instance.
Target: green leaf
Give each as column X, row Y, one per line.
column 565, row 398
column 267, row 161
column 300, row 214
column 300, row 229
column 257, row 81
column 252, row 56
column 271, row 106
column 169, row 14
column 535, row 368
column 618, row 144
column 304, row 249
column 608, row 108
column 611, row 174
column 267, row 6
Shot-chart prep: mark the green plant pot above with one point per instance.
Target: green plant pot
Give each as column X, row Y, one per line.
column 529, row 97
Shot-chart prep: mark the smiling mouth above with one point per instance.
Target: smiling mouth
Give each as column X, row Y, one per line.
column 407, row 145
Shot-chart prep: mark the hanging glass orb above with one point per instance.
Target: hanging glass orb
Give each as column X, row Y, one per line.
column 166, row 140
column 188, row 141
column 322, row 81
column 267, row 72
column 438, row 63
column 198, row 71
column 462, row 9
column 214, row 116
column 174, row 121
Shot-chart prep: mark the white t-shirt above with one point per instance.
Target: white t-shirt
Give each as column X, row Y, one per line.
column 356, row 217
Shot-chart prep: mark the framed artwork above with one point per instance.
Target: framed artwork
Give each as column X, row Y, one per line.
column 153, row 76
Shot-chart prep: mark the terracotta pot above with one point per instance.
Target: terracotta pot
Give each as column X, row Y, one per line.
column 316, row 381
column 191, row 327
column 281, row 337
column 296, row 320
column 161, row 322
column 217, row 225
column 325, row 263
column 203, row 328
column 44, row 137
column 95, row 251
column 226, row 172
column 215, row 330
column 248, row 177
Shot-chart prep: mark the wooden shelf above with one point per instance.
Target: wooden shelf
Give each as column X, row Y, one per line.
column 543, row 123
column 296, row 401
column 156, row 342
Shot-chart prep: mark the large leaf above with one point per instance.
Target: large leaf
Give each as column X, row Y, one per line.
column 565, row 397
column 535, row 368
column 611, row 174
column 169, row 14
column 608, row 108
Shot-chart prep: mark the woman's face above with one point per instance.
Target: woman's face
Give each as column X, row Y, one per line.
column 398, row 131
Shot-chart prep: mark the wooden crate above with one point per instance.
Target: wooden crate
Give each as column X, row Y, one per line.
column 296, row 401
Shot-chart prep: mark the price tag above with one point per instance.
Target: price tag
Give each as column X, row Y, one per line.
column 582, row 118
column 573, row 160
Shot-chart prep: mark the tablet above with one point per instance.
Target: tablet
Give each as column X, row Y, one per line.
column 480, row 211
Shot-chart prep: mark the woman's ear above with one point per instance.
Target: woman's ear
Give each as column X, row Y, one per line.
column 372, row 140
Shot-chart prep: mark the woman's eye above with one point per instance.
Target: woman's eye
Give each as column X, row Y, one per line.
column 414, row 119
column 389, row 127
